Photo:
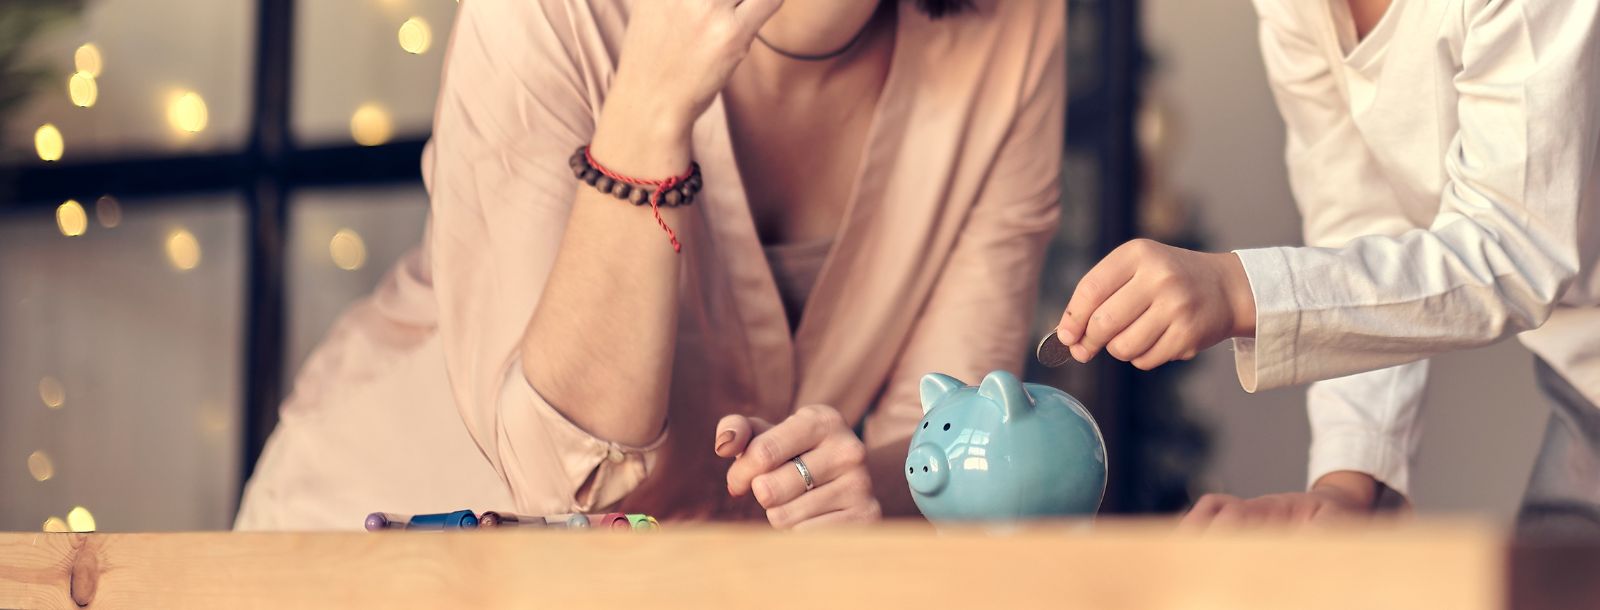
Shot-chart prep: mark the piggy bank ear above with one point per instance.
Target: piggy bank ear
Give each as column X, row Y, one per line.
column 935, row 386
column 1004, row 389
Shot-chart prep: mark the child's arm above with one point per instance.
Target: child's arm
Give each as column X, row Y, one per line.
column 1369, row 422
column 1502, row 250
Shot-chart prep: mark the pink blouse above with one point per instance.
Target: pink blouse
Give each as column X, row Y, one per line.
column 416, row 402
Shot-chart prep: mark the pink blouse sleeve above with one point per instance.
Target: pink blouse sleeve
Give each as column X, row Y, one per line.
column 980, row 311
column 517, row 99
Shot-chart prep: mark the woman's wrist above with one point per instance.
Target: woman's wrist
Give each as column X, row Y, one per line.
column 643, row 138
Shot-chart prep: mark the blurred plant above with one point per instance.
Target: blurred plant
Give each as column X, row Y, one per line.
column 21, row 21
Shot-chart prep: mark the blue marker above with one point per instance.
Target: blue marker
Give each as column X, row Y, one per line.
column 458, row 520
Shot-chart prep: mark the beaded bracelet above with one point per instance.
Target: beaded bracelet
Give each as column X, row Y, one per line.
column 679, row 190
column 632, row 190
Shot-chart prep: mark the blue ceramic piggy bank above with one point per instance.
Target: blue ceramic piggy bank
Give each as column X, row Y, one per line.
column 1003, row 451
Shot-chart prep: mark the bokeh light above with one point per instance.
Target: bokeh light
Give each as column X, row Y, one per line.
column 183, row 250
column 216, row 422
column 83, row 90
column 416, row 36
column 71, row 219
column 186, row 112
column 51, row 392
column 47, row 141
column 40, row 466
column 108, row 211
column 80, row 520
column 348, row 250
column 371, row 125
column 87, row 59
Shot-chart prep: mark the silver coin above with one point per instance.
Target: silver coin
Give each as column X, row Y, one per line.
column 1052, row 352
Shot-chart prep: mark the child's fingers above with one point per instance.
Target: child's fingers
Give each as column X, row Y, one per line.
column 1204, row 511
column 1139, row 337
column 1099, row 284
column 1303, row 512
column 1176, row 343
column 1113, row 316
column 1235, row 514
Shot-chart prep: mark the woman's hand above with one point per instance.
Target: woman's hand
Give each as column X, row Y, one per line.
column 677, row 56
column 1342, row 495
column 819, row 436
column 1148, row 303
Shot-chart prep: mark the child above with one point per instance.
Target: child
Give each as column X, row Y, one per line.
column 1443, row 155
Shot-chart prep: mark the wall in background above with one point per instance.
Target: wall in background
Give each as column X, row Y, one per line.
column 1484, row 416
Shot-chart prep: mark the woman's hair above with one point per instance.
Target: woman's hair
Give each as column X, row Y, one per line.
column 941, row 8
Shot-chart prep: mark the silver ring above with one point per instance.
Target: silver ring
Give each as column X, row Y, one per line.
column 805, row 473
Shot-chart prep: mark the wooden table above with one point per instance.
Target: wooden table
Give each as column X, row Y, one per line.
column 1455, row 565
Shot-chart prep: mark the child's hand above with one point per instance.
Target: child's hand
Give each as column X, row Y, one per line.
column 1336, row 496
column 1149, row 304
column 1225, row 511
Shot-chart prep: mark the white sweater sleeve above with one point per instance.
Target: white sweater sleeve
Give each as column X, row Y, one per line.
column 1504, row 246
column 1366, row 422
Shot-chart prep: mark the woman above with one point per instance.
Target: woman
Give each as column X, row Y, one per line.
column 878, row 182
column 1444, row 155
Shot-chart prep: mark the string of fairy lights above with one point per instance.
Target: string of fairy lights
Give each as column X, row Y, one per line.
column 187, row 115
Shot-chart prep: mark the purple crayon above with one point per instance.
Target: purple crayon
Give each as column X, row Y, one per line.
column 385, row 521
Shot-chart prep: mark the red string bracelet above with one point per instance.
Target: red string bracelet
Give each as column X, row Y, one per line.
column 660, row 186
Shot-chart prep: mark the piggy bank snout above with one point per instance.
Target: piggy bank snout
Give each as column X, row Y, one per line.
column 926, row 469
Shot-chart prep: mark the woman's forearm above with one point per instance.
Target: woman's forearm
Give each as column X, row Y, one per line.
column 599, row 347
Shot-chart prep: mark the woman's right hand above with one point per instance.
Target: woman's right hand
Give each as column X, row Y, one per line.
column 678, row 55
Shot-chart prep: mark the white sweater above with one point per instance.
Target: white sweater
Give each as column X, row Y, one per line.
column 1446, row 170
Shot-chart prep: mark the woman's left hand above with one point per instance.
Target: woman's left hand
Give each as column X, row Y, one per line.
column 763, row 464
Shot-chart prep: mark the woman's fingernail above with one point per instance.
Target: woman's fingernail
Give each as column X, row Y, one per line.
column 723, row 438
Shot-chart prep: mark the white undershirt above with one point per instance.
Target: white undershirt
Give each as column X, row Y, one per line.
column 1445, row 167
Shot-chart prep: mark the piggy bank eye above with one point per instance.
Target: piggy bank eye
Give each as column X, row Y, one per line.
column 947, row 427
column 924, row 425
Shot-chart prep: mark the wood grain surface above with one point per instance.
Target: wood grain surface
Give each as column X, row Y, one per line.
column 1112, row 565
